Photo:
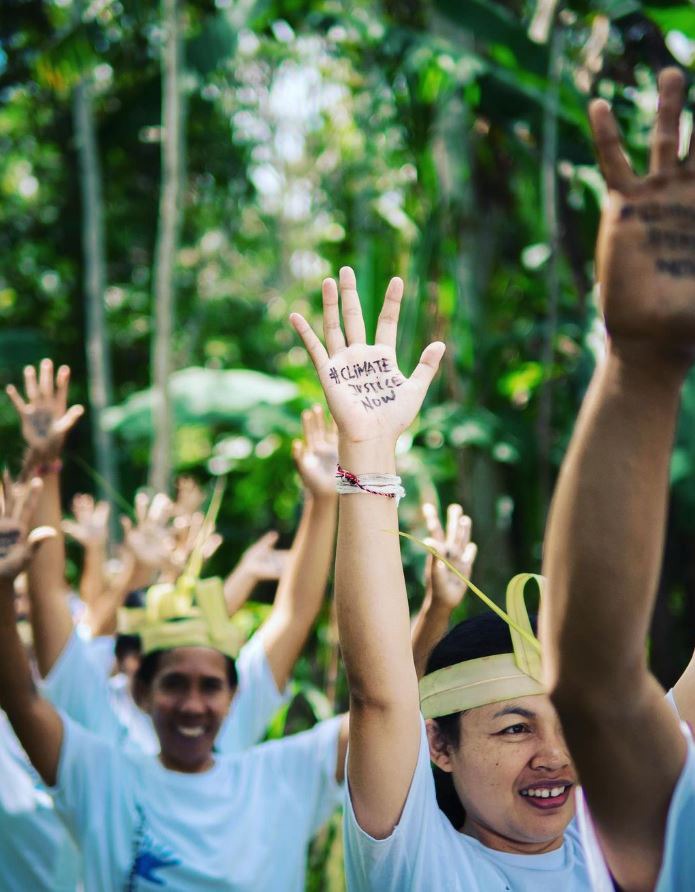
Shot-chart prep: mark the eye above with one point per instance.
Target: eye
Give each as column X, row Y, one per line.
column 172, row 683
column 212, row 685
column 514, row 730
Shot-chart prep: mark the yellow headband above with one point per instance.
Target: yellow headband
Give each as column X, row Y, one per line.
column 188, row 613
column 491, row 679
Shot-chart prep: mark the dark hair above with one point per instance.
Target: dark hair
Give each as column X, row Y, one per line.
column 127, row 645
column 149, row 665
column 481, row 636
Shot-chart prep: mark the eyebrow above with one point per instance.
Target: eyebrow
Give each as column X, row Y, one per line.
column 515, row 710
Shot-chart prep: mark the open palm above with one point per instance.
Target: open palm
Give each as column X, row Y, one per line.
column 367, row 395
column 646, row 247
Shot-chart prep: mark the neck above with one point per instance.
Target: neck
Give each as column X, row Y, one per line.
column 173, row 764
column 499, row 843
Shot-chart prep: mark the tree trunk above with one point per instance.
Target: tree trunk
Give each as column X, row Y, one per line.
column 166, row 247
column 99, row 378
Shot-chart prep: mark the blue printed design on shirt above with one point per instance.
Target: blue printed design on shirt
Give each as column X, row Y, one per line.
column 148, row 856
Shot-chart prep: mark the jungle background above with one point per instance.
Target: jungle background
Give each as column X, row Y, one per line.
column 177, row 176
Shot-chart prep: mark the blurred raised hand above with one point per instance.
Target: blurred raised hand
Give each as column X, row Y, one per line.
column 261, row 562
column 455, row 545
column 43, row 411
column 151, row 540
column 17, row 541
column 316, row 455
column 189, row 497
column 90, row 527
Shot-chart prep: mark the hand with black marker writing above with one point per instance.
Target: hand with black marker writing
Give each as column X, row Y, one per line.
column 367, row 395
column 646, row 246
column 44, row 414
column 17, row 504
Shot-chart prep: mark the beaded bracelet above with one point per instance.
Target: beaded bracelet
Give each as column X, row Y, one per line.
column 388, row 485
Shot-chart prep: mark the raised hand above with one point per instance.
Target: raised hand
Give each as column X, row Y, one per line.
column 445, row 587
column 367, row 395
column 316, row 456
column 91, row 524
column 43, row 411
column 17, row 504
column 646, row 246
column 263, row 561
column 189, row 496
column 151, row 540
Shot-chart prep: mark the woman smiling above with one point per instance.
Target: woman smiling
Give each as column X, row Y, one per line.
column 505, row 781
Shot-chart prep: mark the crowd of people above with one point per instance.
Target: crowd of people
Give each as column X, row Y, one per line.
column 499, row 754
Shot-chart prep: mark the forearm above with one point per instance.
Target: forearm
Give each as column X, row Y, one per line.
column 371, row 598
column 36, row 723
column 50, row 613
column 92, row 578
column 429, row 627
column 605, row 535
column 238, row 587
column 302, row 587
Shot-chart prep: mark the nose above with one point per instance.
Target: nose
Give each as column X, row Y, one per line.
column 552, row 753
column 193, row 702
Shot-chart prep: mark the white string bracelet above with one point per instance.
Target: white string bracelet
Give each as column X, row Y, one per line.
column 389, row 485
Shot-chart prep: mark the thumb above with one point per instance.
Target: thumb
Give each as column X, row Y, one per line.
column 428, row 365
column 68, row 420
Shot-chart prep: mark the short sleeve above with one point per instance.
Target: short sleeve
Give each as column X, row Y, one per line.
column 306, row 765
column 74, row 687
column 256, row 701
column 87, row 777
column 390, row 863
column 101, row 652
column 678, row 865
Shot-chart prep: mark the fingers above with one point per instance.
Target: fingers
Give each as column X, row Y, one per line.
column 470, row 553
column 31, row 387
column 160, row 508
column 428, row 365
column 309, row 428
column 61, row 389
column 454, row 515
column 28, row 498
column 313, row 345
column 434, row 527
column 267, row 541
column 387, row 326
column 212, row 543
column 332, row 331
column 351, row 307
column 614, row 165
column 68, row 421
column 665, row 135
column 298, row 448
column 16, row 399
column 72, row 529
column 46, row 379
column 141, row 504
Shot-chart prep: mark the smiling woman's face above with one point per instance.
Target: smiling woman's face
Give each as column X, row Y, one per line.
column 512, row 773
column 188, row 700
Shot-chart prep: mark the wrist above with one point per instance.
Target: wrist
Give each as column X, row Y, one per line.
column 434, row 607
column 637, row 363
column 377, row 456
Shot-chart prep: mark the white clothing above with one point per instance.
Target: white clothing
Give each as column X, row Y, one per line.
column 424, row 853
column 36, row 851
column 242, row 826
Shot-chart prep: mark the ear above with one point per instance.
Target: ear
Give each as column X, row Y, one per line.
column 440, row 752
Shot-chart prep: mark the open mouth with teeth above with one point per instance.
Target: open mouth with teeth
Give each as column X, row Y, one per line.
column 546, row 796
column 193, row 732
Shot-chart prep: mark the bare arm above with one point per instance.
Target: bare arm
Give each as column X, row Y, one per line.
column 36, row 723
column 45, row 421
column 260, row 562
column 373, row 616
column 605, row 535
column 444, row 591
column 302, row 586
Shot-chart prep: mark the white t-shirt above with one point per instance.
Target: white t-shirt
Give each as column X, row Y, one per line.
column 36, row 852
column 424, row 853
column 105, row 706
column 242, row 826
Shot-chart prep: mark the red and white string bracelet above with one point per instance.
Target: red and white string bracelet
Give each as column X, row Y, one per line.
column 389, row 485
